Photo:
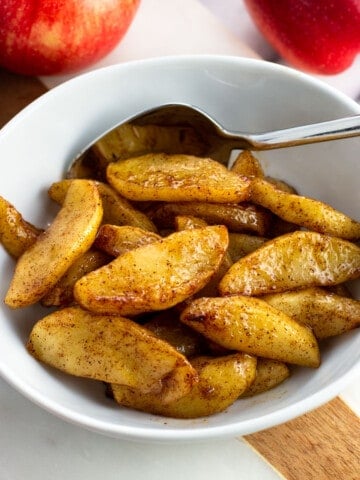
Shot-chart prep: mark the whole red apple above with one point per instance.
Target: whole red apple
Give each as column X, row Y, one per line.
column 45, row 37
column 320, row 36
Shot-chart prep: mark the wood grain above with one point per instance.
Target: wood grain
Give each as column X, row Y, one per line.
column 16, row 92
column 321, row 445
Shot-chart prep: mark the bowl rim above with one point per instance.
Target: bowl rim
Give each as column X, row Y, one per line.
column 175, row 435
column 305, row 77
column 172, row 434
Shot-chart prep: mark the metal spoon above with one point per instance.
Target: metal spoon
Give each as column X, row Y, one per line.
column 221, row 141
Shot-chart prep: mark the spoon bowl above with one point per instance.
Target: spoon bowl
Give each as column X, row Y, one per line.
column 220, row 141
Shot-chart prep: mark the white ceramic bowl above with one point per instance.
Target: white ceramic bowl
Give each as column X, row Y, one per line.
column 37, row 146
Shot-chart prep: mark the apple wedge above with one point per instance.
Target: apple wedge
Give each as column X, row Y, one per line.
column 269, row 374
column 62, row 293
column 176, row 178
column 117, row 210
column 325, row 312
column 70, row 235
column 252, row 326
column 303, row 211
column 247, row 164
column 240, row 244
column 16, row 234
column 155, row 276
column 295, row 260
column 111, row 349
column 242, row 217
column 221, row 382
column 116, row 240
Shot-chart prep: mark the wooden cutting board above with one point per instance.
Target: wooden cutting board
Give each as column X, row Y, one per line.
column 321, row 445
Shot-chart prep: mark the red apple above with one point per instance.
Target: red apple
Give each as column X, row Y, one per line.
column 321, row 36
column 44, row 37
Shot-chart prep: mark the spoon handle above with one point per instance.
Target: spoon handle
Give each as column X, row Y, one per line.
column 316, row 132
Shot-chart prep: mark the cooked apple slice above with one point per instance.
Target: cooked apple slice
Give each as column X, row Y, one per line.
column 186, row 222
column 240, row 244
column 269, row 374
column 221, row 381
column 325, row 312
column 116, row 240
column 117, row 210
column 303, row 211
column 156, row 276
column 176, row 178
column 247, row 164
column 68, row 237
column 251, row 325
column 16, row 234
column 295, row 260
column 111, row 349
column 243, row 217
column 62, row 293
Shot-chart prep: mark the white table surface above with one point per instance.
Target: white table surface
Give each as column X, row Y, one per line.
column 35, row 445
